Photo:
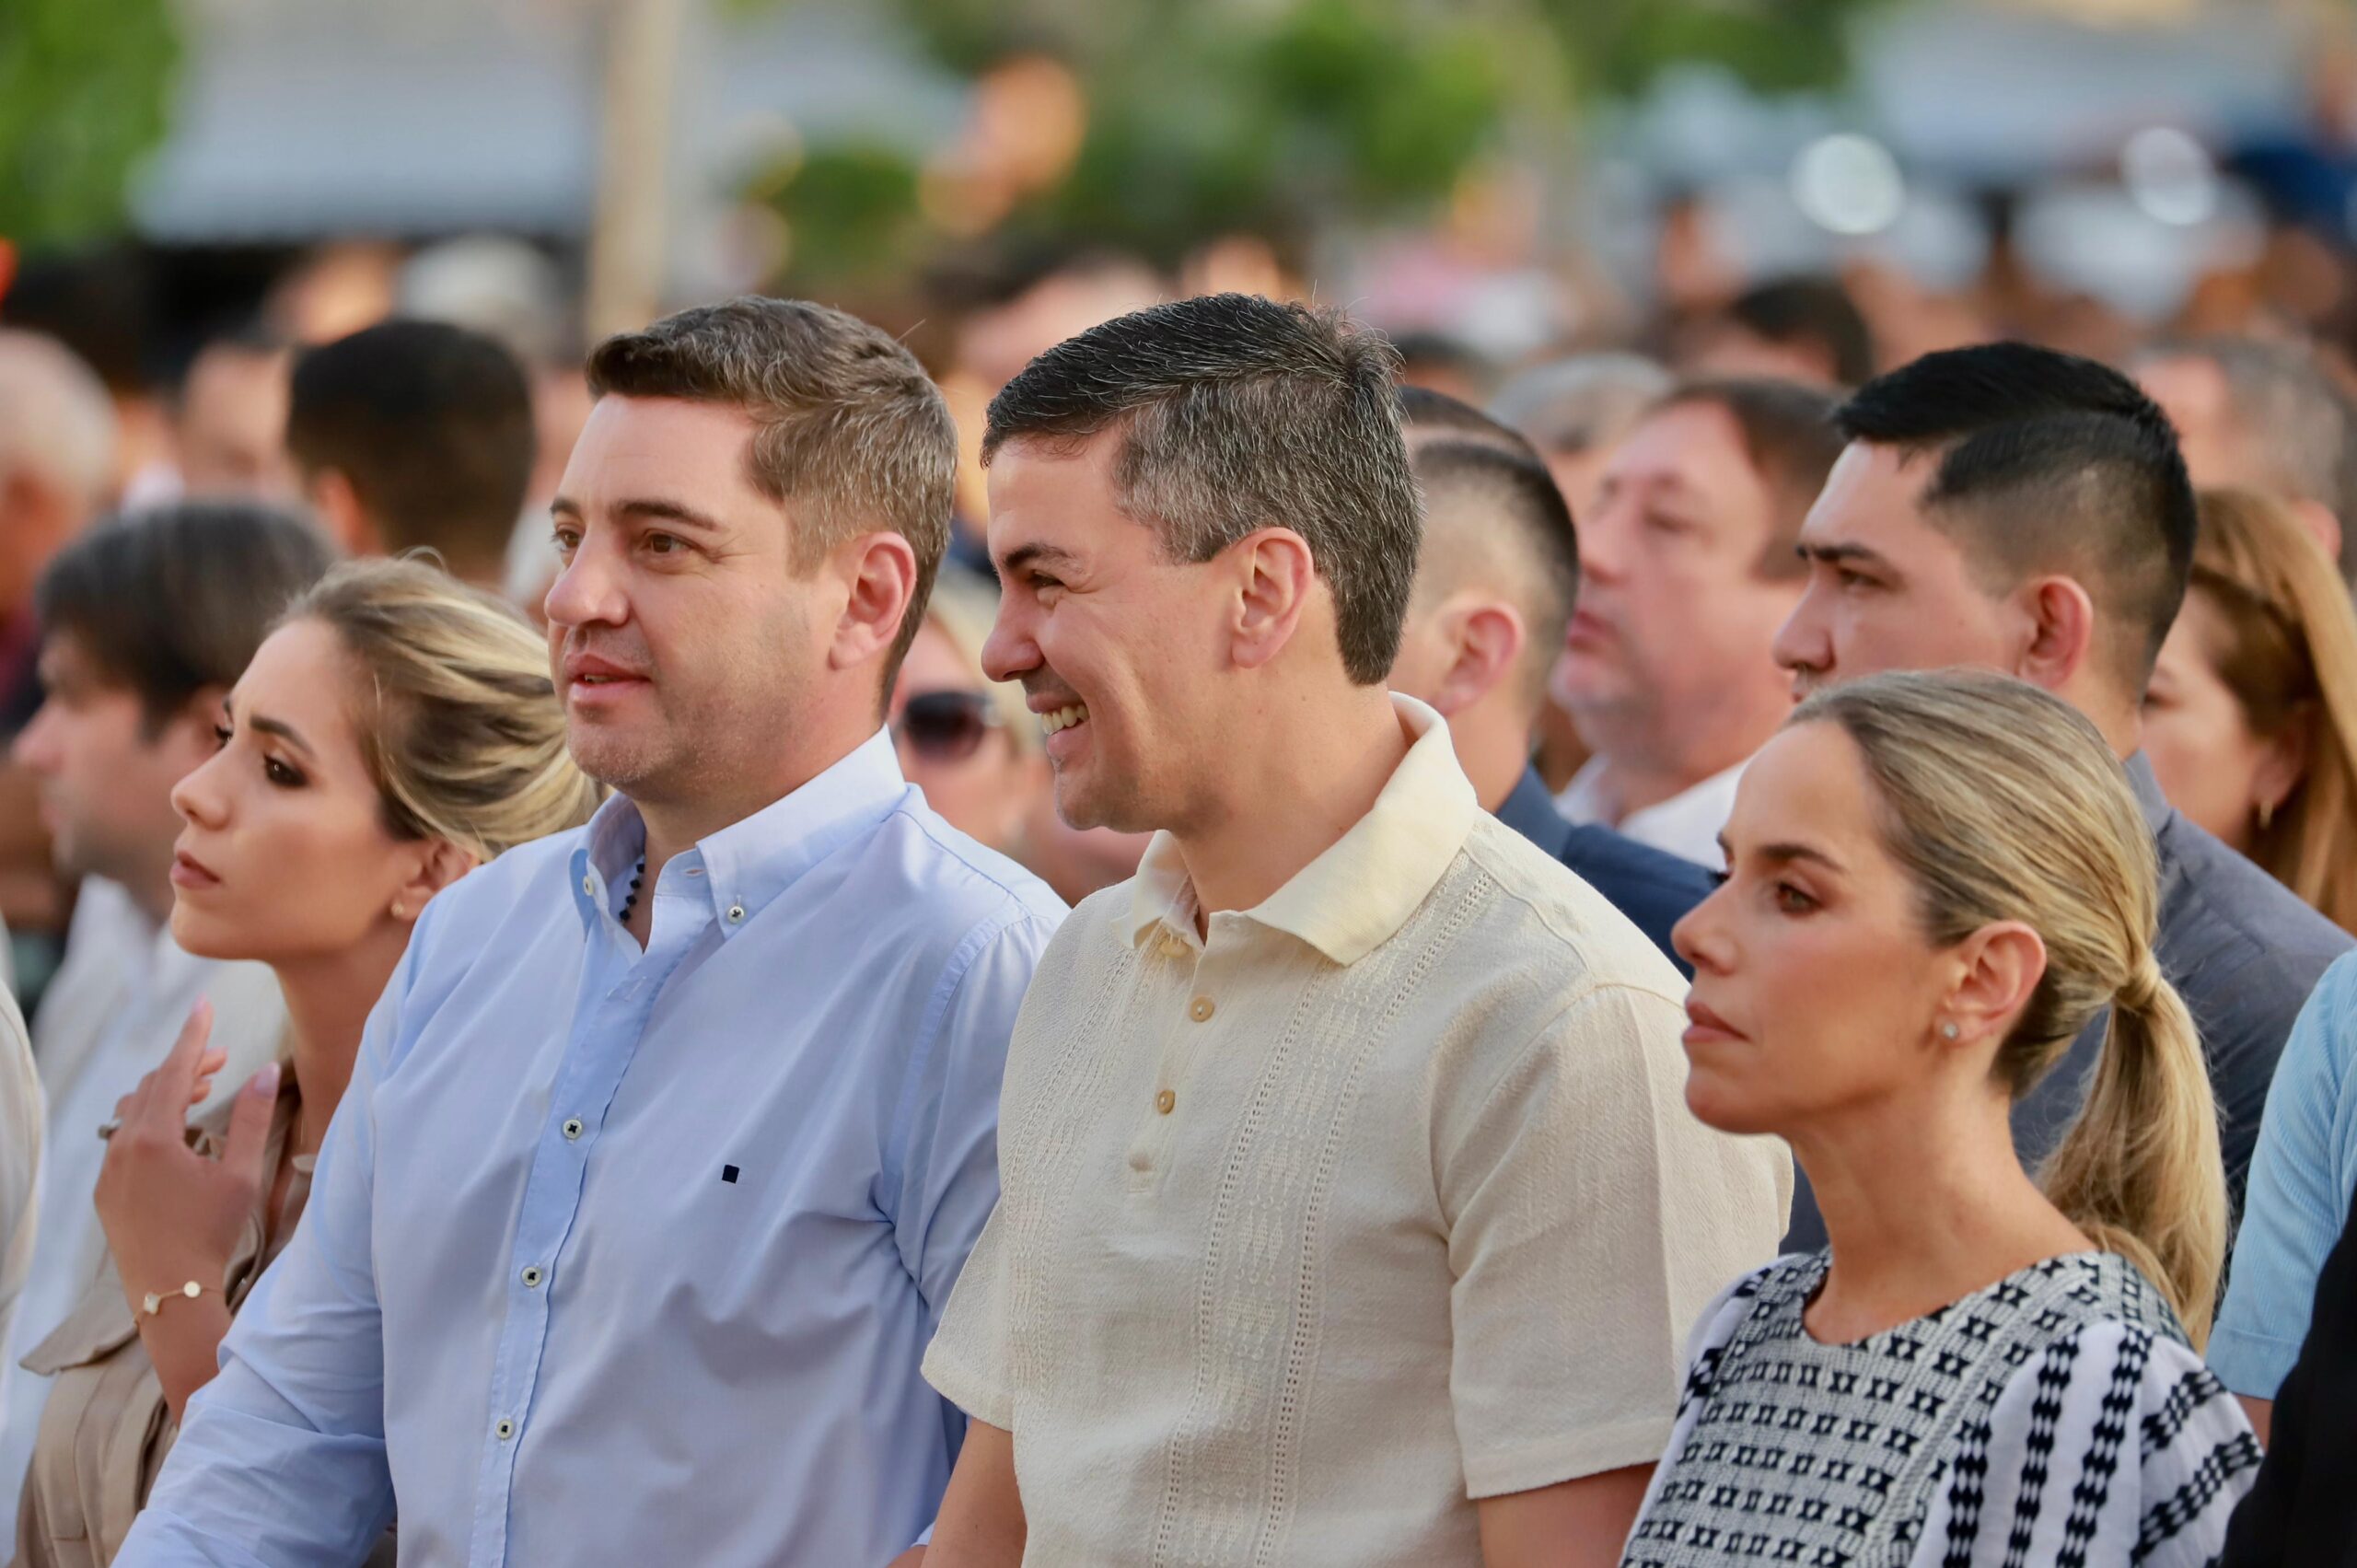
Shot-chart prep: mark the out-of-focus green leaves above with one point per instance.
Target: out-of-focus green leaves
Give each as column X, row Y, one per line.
column 1618, row 47
column 84, row 86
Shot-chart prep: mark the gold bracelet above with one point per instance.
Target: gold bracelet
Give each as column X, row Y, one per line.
column 155, row 1303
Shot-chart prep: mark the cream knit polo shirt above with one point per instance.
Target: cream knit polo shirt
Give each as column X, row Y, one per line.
column 1379, row 1197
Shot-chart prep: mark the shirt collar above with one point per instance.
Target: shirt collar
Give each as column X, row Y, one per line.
column 1363, row 887
column 2147, row 787
column 746, row 865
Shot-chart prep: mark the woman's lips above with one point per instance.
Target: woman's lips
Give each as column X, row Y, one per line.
column 190, row 872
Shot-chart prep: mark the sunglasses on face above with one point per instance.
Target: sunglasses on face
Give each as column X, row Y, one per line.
column 946, row 726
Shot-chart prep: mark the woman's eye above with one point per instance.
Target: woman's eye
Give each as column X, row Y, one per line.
column 220, row 737
column 279, row 773
column 1792, row 901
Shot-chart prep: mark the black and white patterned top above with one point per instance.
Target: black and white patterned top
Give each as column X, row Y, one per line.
column 2056, row 1419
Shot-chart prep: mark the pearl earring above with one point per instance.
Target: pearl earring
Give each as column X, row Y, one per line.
column 400, row 909
column 1949, row 1031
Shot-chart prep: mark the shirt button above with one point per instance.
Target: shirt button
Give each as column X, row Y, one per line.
column 573, row 1127
column 589, row 886
column 532, row 1276
column 736, row 913
column 1174, row 945
column 1201, row 1010
column 506, row 1429
column 1165, row 1102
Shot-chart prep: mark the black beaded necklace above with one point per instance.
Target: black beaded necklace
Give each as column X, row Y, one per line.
column 630, row 899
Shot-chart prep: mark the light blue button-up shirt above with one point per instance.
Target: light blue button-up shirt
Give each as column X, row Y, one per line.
column 631, row 1257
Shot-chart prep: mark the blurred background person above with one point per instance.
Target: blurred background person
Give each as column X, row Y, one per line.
column 1495, row 578
column 2254, row 413
column 415, row 435
column 21, row 1141
column 1794, row 329
column 1685, row 571
column 968, row 741
column 2250, row 719
column 1574, row 410
column 332, row 811
column 229, row 419
column 146, row 621
column 57, row 470
column 1936, row 881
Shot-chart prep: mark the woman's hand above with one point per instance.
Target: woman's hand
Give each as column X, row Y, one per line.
column 171, row 1214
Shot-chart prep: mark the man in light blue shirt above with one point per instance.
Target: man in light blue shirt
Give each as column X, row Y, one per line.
column 2301, row 1179
column 670, row 1135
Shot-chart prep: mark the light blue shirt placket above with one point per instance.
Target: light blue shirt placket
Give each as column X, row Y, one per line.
column 620, row 986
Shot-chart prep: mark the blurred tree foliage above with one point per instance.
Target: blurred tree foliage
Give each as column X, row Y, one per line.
column 84, row 88
column 1280, row 117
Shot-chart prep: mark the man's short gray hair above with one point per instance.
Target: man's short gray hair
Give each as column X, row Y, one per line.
column 2299, row 423
column 1578, row 404
column 1238, row 413
column 56, row 420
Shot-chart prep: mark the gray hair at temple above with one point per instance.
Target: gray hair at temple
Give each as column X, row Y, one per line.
column 1575, row 405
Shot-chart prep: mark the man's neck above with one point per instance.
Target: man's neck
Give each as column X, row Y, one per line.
column 1624, row 787
column 151, row 890
column 677, row 821
column 1290, row 791
column 1494, row 747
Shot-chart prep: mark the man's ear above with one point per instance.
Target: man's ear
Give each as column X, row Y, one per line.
column 1275, row 577
column 2060, row 633
column 1485, row 638
column 880, row 574
column 341, row 515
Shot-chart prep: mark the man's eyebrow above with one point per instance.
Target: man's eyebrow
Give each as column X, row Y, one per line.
column 280, row 729
column 1837, row 553
column 1034, row 554
column 648, row 509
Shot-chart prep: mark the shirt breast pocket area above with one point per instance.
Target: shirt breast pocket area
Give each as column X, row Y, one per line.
column 738, row 1240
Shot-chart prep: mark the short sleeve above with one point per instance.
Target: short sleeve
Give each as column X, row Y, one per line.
column 2115, row 1446
column 2298, row 1198
column 1592, row 1220
column 969, row 1362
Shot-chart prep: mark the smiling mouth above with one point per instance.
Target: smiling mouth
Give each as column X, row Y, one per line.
column 1056, row 719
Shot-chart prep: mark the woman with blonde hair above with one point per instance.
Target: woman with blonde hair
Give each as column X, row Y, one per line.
column 2250, row 721
column 396, row 730
column 1934, row 881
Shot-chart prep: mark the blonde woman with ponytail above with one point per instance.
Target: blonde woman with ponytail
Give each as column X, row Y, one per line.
column 1934, row 882
column 395, row 731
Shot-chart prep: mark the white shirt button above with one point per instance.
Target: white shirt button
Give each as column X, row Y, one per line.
column 532, row 1276
column 506, row 1429
column 736, row 913
column 573, row 1127
column 589, row 885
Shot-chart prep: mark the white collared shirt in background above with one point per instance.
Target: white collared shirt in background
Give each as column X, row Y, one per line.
column 1687, row 825
column 108, row 1019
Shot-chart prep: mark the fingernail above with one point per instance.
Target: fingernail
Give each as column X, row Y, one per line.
column 264, row 1082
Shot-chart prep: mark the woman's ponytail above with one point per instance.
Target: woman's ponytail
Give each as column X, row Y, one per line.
column 2002, row 803
column 2139, row 1171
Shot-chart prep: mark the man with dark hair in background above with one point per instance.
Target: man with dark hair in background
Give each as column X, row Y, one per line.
column 1686, row 571
column 415, row 435
column 1796, row 328
column 2258, row 414
column 145, row 623
column 229, row 419
column 1495, row 584
column 1351, row 1206
column 2028, row 511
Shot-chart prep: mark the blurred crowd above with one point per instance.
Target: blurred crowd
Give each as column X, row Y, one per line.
column 285, row 559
